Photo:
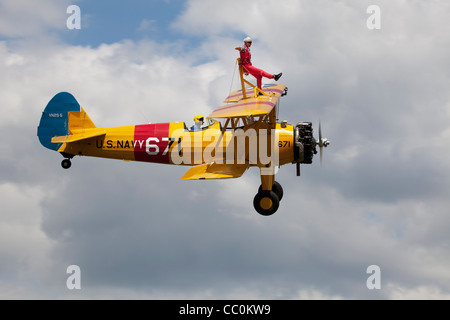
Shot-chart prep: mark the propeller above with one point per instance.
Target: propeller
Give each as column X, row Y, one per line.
column 305, row 144
column 322, row 142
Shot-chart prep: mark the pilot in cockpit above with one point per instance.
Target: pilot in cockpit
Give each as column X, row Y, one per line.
column 198, row 123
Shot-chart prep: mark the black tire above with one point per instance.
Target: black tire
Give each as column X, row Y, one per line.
column 66, row 163
column 275, row 188
column 266, row 202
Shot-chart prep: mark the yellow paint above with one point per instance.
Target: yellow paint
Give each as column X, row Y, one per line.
column 215, row 145
column 266, row 203
column 286, row 137
column 114, row 143
column 244, row 106
column 197, row 147
column 214, row 152
column 78, row 137
column 214, row 171
column 79, row 121
column 267, row 179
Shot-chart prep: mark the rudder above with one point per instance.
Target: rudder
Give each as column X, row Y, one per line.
column 55, row 119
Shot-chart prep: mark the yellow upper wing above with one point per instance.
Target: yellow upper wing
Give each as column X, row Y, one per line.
column 271, row 89
column 258, row 106
column 252, row 106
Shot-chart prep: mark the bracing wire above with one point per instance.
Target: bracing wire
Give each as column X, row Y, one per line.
column 278, row 109
column 232, row 79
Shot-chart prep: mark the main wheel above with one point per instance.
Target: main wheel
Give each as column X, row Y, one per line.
column 266, row 202
column 275, row 188
column 66, row 163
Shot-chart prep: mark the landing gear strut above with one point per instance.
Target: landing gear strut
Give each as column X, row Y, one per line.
column 266, row 202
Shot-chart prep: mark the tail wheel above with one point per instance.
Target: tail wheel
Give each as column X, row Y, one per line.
column 275, row 188
column 66, row 163
column 266, row 202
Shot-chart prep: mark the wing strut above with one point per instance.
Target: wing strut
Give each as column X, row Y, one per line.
column 255, row 88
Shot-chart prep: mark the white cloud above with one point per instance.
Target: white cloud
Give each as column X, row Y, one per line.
column 25, row 247
column 418, row 293
column 21, row 18
column 147, row 25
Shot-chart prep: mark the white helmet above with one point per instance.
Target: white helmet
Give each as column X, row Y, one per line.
column 248, row 39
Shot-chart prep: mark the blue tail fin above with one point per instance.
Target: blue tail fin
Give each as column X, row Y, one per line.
column 54, row 120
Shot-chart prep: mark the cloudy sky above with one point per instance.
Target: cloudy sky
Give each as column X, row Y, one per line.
column 137, row 231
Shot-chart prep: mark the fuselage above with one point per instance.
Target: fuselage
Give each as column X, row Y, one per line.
column 173, row 143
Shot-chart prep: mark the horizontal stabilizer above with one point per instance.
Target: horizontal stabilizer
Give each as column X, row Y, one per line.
column 215, row 171
column 77, row 137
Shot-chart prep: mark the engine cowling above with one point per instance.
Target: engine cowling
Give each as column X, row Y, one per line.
column 304, row 143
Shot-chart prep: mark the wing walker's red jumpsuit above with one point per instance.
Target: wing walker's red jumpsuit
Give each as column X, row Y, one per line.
column 249, row 68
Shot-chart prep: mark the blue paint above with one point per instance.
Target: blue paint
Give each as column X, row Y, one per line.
column 54, row 120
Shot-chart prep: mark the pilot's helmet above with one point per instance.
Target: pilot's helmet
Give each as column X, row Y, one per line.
column 198, row 118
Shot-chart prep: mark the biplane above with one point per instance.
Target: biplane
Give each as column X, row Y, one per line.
column 242, row 133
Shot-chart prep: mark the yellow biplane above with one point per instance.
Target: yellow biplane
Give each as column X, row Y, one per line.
column 240, row 134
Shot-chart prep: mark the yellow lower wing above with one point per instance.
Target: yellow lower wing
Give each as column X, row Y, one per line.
column 215, row 171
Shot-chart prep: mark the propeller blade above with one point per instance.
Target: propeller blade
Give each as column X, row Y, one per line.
column 321, row 155
column 320, row 132
column 298, row 169
column 320, row 143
